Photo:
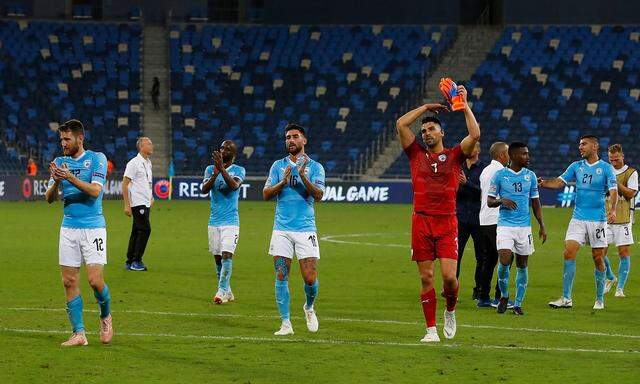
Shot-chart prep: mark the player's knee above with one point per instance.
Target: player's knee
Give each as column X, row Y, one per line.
column 310, row 278
column 569, row 254
column 95, row 281
column 426, row 278
column 70, row 281
column 449, row 279
column 282, row 271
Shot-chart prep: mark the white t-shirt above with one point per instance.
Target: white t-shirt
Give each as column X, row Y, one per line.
column 138, row 170
column 488, row 216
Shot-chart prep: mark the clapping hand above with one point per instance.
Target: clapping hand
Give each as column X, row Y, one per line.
column 217, row 160
column 302, row 162
column 53, row 170
column 287, row 175
column 60, row 173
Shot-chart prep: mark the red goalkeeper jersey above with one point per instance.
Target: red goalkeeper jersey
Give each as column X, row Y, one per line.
column 435, row 178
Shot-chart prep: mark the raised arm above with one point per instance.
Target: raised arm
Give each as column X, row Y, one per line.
column 551, row 183
column 52, row 191
column 271, row 190
column 469, row 142
column 313, row 188
column 403, row 125
column 92, row 189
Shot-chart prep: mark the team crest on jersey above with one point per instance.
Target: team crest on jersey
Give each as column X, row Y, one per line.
column 442, row 157
column 599, row 171
column 527, row 177
column 87, row 163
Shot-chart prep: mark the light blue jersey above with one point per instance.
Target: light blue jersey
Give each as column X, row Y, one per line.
column 224, row 200
column 294, row 207
column 592, row 184
column 519, row 187
column 80, row 209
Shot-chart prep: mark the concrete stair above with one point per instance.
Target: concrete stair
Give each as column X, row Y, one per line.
column 156, row 124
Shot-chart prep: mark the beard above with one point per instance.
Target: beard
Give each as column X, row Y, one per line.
column 71, row 151
column 295, row 150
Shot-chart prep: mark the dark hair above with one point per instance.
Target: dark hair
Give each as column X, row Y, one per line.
column 74, row 126
column 431, row 119
column 590, row 136
column 516, row 145
column 292, row 126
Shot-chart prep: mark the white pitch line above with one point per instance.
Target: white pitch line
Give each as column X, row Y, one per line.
column 332, row 239
column 337, row 341
column 335, row 319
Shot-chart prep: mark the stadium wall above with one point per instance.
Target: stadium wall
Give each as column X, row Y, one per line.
column 357, row 12
column 571, row 12
column 17, row 188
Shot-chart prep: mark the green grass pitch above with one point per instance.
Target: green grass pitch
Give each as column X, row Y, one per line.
column 168, row 329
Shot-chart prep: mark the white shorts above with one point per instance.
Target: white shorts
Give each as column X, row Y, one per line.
column 516, row 239
column 593, row 233
column 286, row 243
column 619, row 234
column 223, row 239
column 79, row 245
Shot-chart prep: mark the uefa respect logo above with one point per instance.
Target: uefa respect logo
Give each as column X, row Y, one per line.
column 162, row 189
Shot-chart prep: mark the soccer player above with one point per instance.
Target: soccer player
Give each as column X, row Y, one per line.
column 83, row 235
column 588, row 225
column 222, row 182
column 434, row 230
column 514, row 189
column 297, row 182
column 620, row 232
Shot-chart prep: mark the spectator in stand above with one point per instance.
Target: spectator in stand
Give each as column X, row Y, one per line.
column 110, row 167
column 32, row 168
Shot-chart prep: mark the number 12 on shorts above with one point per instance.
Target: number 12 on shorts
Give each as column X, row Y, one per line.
column 99, row 244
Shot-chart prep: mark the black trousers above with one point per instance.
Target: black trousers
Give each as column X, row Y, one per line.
column 489, row 260
column 464, row 232
column 140, row 232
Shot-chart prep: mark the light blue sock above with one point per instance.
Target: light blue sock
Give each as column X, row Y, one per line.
column 311, row 291
column 609, row 271
column 567, row 278
column 522, row 279
column 503, row 279
column 623, row 271
column 282, row 298
column 104, row 301
column 74, row 310
column 225, row 275
column 600, row 277
column 218, row 269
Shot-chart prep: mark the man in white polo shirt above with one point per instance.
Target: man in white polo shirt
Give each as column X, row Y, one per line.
column 138, row 199
column 489, row 222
